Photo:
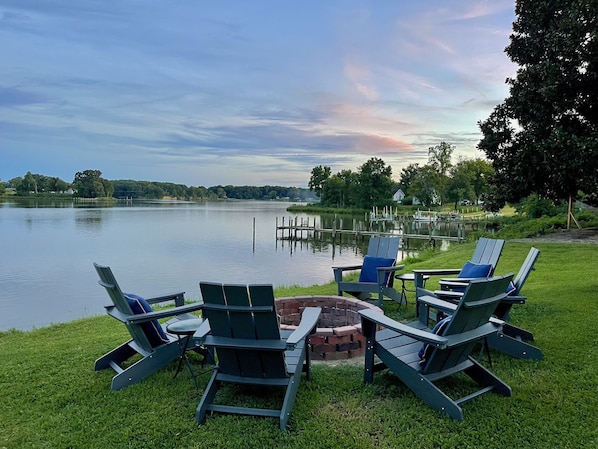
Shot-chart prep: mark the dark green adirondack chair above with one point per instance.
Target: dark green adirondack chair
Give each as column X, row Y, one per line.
column 149, row 338
column 482, row 264
column 250, row 348
column 377, row 272
column 420, row 357
column 511, row 339
column 514, row 340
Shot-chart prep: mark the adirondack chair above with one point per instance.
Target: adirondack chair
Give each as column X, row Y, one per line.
column 243, row 330
column 377, row 272
column 419, row 356
column 149, row 338
column 482, row 264
column 511, row 339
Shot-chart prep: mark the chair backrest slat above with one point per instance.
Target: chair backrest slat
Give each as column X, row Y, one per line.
column 387, row 247
column 526, row 269
column 108, row 281
column 487, row 251
column 244, row 317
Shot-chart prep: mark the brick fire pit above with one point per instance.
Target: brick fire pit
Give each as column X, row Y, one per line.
column 338, row 335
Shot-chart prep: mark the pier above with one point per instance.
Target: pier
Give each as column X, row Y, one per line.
column 294, row 229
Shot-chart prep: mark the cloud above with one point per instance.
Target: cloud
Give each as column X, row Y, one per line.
column 244, row 91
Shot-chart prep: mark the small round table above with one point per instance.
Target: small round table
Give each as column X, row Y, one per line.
column 184, row 330
column 407, row 277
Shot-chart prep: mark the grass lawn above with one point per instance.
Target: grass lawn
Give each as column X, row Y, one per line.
column 50, row 396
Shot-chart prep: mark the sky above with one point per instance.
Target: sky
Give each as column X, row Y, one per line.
column 240, row 92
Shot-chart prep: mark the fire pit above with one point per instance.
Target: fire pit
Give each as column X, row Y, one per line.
column 338, row 334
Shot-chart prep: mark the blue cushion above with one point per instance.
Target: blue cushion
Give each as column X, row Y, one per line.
column 426, row 350
column 511, row 289
column 475, row 270
column 153, row 331
column 369, row 273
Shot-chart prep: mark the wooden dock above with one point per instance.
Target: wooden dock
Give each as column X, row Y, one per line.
column 302, row 230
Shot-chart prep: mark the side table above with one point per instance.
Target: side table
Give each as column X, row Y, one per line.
column 407, row 277
column 184, row 330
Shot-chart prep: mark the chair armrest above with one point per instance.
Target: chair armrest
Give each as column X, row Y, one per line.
column 338, row 271
column 347, row 268
column 420, row 275
column 454, row 282
column 178, row 298
column 385, row 272
column 438, row 271
column 425, row 336
column 497, row 321
column 156, row 314
column 514, row 299
column 462, row 281
column 202, row 331
column 390, row 269
column 489, row 328
column 309, row 320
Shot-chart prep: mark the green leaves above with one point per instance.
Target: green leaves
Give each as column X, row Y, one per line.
column 544, row 137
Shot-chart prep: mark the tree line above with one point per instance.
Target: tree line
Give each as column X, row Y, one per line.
column 91, row 184
column 435, row 183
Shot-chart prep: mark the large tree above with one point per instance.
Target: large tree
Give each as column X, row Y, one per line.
column 468, row 180
column 543, row 138
column 439, row 158
column 407, row 176
column 90, row 184
column 319, row 175
column 375, row 184
column 425, row 186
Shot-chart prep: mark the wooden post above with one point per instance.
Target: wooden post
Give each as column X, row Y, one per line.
column 570, row 215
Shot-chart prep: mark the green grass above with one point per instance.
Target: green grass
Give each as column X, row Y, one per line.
column 50, row 397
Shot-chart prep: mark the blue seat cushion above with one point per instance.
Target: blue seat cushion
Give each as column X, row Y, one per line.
column 511, row 289
column 475, row 270
column 153, row 330
column 426, row 350
column 369, row 272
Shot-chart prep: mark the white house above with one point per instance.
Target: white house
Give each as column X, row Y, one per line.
column 398, row 196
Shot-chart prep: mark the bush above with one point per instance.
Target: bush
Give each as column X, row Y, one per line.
column 535, row 207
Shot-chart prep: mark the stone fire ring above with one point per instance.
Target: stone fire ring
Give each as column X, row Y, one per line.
column 338, row 335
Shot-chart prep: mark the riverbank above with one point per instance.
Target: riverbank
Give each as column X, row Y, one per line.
column 51, row 397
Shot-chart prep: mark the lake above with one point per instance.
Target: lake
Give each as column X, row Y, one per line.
column 46, row 271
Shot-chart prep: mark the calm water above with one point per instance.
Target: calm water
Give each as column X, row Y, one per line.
column 46, row 272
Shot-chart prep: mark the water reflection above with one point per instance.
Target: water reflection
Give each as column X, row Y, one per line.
column 158, row 247
column 89, row 220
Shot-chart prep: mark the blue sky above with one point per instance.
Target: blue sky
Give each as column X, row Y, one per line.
column 244, row 92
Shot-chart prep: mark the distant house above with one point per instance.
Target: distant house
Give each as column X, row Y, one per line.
column 398, row 196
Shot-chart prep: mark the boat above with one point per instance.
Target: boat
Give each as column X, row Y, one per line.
column 429, row 216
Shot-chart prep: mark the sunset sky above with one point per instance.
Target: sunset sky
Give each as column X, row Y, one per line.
column 244, row 92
